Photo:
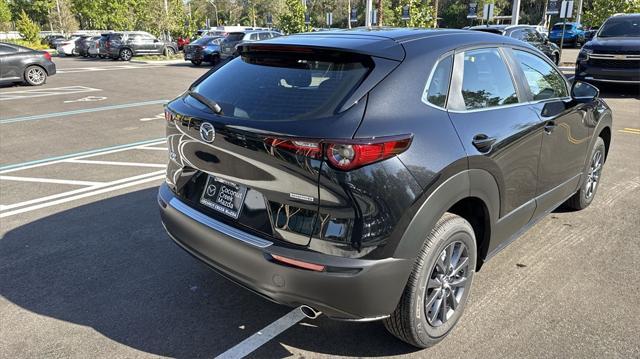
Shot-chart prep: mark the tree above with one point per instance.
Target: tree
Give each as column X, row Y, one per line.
column 292, row 19
column 29, row 30
column 65, row 21
column 421, row 14
column 5, row 16
column 602, row 9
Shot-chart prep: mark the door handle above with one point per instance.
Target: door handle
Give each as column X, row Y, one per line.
column 483, row 142
column 549, row 127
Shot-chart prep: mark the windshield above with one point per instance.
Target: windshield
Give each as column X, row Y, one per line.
column 285, row 86
column 629, row 27
column 558, row 27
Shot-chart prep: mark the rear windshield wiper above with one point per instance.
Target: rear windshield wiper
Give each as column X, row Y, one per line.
column 212, row 105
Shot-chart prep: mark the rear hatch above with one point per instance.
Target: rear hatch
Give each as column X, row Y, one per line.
column 256, row 163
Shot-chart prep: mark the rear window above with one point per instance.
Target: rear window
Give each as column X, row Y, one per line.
column 558, row 27
column 285, row 86
column 235, row 36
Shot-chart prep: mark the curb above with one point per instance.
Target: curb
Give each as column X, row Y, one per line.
column 159, row 62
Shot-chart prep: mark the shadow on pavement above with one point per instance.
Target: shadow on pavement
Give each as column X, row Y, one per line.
column 110, row 266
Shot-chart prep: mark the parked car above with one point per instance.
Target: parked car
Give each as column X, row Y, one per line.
column 68, row 47
column 351, row 174
column 102, row 49
column 22, row 64
column 182, row 42
column 589, row 34
column 573, row 34
column 613, row 55
column 233, row 39
column 125, row 45
column 93, row 44
column 52, row 40
column 525, row 33
column 83, row 43
column 205, row 49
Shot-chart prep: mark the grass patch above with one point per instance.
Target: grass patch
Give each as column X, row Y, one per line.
column 159, row 57
column 32, row 45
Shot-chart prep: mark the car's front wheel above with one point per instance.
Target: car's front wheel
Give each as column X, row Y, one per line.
column 169, row 51
column 196, row 62
column 438, row 288
column 35, row 75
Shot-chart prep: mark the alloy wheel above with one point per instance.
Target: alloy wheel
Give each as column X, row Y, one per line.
column 126, row 55
column 593, row 177
column 447, row 283
column 36, row 75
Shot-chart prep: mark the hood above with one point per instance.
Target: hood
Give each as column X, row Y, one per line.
column 614, row 45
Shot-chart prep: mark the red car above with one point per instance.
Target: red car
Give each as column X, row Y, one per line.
column 182, row 42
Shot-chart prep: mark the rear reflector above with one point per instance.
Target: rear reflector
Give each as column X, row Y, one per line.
column 299, row 264
column 47, row 56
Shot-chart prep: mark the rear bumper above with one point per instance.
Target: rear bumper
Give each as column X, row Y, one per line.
column 588, row 72
column 350, row 289
column 50, row 68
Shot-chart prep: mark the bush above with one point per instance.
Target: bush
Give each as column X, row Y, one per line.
column 37, row 45
column 29, row 30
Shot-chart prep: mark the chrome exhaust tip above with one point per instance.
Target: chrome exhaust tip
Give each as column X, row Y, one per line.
column 309, row 312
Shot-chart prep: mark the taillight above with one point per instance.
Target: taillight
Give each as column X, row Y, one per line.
column 47, row 56
column 168, row 115
column 346, row 155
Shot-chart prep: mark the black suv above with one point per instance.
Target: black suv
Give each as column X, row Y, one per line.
column 526, row 33
column 368, row 174
column 125, row 45
column 613, row 55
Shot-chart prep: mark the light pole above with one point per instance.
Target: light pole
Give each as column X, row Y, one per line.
column 367, row 16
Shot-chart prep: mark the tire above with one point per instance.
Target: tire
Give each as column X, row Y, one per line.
column 556, row 59
column 587, row 192
column 125, row 54
column 35, row 76
column 411, row 322
column 196, row 62
column 169, row 51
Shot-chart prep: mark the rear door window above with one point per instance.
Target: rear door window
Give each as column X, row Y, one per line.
column 274, row 86
column 486, row 80
column 264, row 36
column 543, row 80
column 235, row 36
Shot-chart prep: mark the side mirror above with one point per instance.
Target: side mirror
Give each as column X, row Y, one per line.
column 584, row 92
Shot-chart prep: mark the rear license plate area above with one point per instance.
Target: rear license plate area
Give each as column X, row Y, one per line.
column 223, row 196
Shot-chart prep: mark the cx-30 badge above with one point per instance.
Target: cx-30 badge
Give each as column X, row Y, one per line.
column 207, row 132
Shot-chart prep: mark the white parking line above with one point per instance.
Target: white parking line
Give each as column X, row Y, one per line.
column 88, row 154
column 79, row 196
column 72, row 70
column 27, row 94
column 79, row 190
column 50, row 180
column 262, row 337
column 118, row 163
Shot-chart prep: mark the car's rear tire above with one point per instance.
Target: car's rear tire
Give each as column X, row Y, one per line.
column 169, row 51
column 583, row 198
column 556, row 58
column 126, row 54
column 35, row 75
column 439, row 285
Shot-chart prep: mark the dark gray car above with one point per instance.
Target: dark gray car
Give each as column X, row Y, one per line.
column 22, row 64
column 125, row 45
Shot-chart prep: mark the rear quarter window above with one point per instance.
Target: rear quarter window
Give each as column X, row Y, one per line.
column 437, row 88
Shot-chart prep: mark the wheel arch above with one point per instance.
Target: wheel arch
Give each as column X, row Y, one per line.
column 472, row 194
column 605, row 134
column 26, row 66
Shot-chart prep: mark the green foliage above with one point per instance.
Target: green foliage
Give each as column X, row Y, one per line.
column 421, row 14
column 5, row 16
column 603, row 9
column 29, row 30
column 36, row 45
column 291, row 21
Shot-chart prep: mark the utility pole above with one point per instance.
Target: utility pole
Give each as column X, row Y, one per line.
column 59, row 16
column 166, row 14
column 515, row 14
column 579, row 15
column 212, row 3
column 367, row 16
column 436, row 4
column 349, row 13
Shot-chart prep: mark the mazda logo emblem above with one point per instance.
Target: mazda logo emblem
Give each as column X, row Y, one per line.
column 207, row 132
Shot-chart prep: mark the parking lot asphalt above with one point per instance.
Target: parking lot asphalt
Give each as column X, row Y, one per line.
column 86, row 269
